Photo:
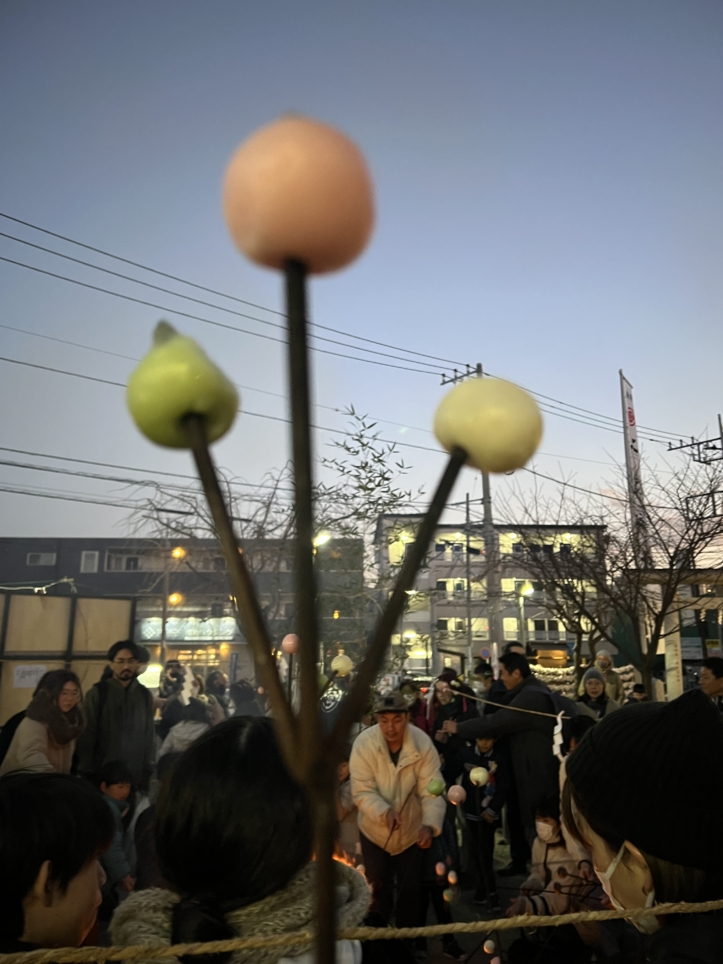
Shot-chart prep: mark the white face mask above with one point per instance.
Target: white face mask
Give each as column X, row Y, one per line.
column 545, row 832
column 646, row 925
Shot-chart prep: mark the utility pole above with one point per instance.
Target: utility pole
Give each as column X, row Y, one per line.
column 494, row 586
column 468, row 527
column 164, row 615
column 492, row 566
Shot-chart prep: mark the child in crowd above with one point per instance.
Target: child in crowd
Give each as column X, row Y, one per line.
column 559, row 883
column 347, row 814
column 482, row 808
column 549, row 853
column 114, row 781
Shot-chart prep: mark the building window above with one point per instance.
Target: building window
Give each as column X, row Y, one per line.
column 442, row 625
column 565, row 549
column 120, row 562
column 517, row 548
column 89, row 561
column 41, row 559
column 439, row 547
column 459, row 586
column 457, row 548
column 442, row 585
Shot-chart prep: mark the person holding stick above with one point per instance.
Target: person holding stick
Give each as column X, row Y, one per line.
column 392, row 765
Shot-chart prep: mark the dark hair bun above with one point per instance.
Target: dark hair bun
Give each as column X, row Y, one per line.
column 198, row 920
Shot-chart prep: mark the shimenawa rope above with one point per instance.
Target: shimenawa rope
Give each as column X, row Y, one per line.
column 87, row 955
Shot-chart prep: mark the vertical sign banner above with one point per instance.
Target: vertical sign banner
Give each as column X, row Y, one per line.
column 638, row 516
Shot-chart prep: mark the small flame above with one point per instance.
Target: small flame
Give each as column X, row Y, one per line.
column 342, row 857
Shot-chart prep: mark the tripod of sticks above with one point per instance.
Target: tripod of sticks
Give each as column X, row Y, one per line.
column 310, row 755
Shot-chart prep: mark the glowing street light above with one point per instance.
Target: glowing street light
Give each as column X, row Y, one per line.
column 175, row 599
column 321, row 539
column 179, row 553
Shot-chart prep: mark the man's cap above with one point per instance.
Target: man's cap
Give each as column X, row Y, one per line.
column 391, row 703
column 652, row 773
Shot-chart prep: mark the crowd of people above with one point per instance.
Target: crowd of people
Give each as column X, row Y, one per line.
column 135, row 817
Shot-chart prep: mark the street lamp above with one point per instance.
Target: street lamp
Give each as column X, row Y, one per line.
column 525, row 590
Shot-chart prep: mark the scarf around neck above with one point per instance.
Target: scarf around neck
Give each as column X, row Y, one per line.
column 145, row 917
column 63, row 727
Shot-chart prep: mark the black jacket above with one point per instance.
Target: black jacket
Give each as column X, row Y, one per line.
column 497, row 693
column 688, row 939
column 120, row 727
column 530, row 741
column 466, row 760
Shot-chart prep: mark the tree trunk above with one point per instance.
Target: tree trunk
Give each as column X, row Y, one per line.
column 578, row 659
column 592, row 644
column 647, row 674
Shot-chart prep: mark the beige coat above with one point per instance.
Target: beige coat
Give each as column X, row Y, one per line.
column 377, row 785
column 33, row 748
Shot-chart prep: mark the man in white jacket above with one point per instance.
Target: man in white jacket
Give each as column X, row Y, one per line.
column 391, row 767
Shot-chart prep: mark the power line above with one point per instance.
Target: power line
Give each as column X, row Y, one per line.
column 273, row 418
column 200, row 301
column 329, row 408
column 252, row 414
column 609, row 420
column 209, row 321
column 231, row 311
column 213, row 291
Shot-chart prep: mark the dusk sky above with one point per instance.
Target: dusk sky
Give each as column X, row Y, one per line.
column 549, row 182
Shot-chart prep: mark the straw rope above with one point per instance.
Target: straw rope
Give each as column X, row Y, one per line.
column 517, row 709
column 87, row 955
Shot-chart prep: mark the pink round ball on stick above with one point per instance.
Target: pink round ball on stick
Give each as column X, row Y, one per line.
column 456, row 795
column 298, row 189
column 290, row 644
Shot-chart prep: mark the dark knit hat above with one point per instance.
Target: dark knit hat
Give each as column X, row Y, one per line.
column 593, row 673
column 653, row 774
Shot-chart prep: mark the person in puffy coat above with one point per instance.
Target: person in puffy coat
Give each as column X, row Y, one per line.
column 392, row 765
column 45, row 739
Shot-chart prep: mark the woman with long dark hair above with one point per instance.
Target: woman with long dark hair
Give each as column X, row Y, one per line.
column 45, row 739
column 234, row 842
column 643, row 795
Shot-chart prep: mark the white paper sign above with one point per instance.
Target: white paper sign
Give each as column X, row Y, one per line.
column 28, row 677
